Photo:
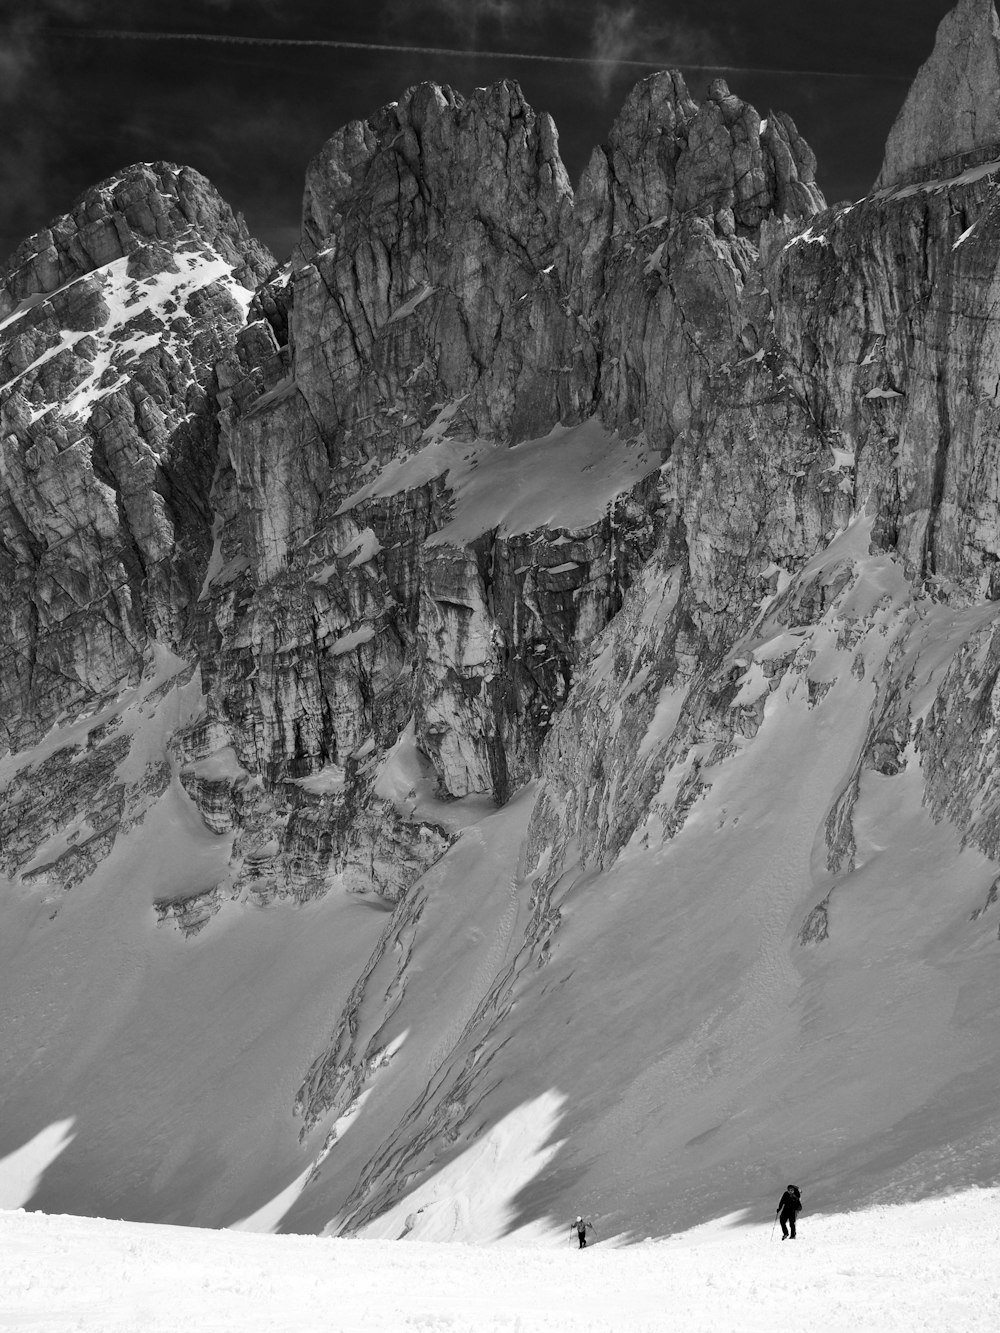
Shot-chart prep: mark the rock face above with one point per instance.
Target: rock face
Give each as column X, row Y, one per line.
column 952, row 109
column 439, row 312
column 113, row 321
column 497, row 496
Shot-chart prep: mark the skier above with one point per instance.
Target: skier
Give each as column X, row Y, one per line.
column 581, row 1228
column 788, row 1205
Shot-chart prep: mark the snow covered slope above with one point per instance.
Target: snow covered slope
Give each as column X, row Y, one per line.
column 917, row 1266
column 166, row 1065
column 787, row 971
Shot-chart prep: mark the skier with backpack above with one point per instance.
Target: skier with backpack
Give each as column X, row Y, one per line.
column 581, row 1228
column 788, row 1205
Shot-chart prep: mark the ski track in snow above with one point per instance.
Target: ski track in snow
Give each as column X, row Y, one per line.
column 918, row 1267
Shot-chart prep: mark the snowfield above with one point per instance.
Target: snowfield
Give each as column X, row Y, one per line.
column 152, row 1077
column 922, row 1266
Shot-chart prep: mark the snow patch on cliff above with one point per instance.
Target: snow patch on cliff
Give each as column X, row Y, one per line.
column 566, row 479
column 408, row 781
column 143, row 313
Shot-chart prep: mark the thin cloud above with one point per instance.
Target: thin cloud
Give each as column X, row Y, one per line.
column 472, row 18
column 621, row 37
column 31, row 102
column 684, row 55
column 17, row 57
column 234, row 39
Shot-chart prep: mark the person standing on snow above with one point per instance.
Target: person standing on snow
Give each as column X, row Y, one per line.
column 581, row 1227
column 788, row 1205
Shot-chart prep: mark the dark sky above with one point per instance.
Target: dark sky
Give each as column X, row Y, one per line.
column 77, row 103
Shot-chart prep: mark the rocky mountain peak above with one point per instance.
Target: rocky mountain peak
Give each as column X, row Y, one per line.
column 147, row 207
column 739, row 169
column 668, row 157
column 490, row 153
column 112, row 320
column 953, row 107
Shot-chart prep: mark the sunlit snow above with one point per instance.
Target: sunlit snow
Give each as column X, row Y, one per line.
column 22, row 1170
column 920, row 1266
column 158, row 298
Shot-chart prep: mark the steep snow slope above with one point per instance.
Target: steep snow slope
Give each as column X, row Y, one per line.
column 168, row 1064
column 674, row 1035
column 772, row 992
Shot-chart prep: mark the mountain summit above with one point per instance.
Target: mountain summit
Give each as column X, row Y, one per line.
column 953, row 107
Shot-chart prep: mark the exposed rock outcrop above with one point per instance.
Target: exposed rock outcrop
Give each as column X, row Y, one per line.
column 436, row 313
column 237, row 493
column 115, row 318
column 140, row 214
column 952, row 109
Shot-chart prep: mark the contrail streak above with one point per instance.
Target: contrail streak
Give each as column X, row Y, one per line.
column 113, row 34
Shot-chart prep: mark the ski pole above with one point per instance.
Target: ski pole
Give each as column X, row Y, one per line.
column 773, row 1225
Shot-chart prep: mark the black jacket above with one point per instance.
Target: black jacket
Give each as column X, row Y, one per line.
column 789, row 1204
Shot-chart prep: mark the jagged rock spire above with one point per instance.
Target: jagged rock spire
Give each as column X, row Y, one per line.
column 953, row 107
